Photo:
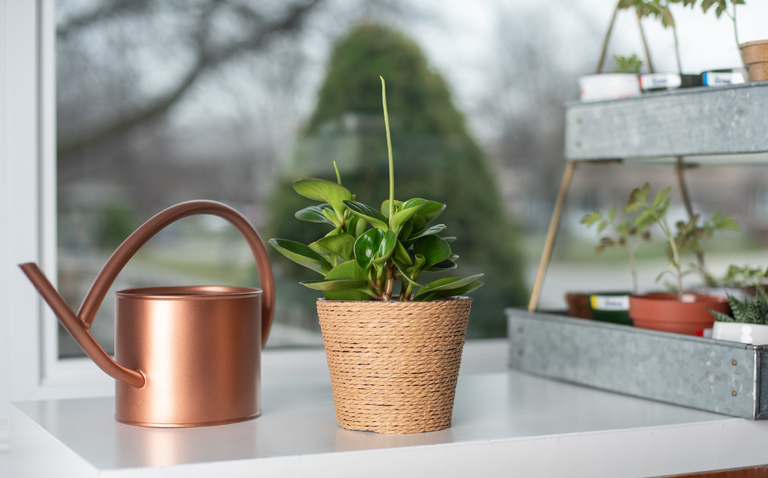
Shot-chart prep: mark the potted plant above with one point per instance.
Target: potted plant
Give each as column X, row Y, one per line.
column 622, row 83
column 614, row 306
column 749, row 323
column 748, row 280
column 754, row 54
column 393, row 343
column 677, row 312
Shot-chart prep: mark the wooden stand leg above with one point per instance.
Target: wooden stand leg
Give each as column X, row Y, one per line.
column 554, row 224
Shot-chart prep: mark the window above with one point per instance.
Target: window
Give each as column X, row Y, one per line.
column 491, row 60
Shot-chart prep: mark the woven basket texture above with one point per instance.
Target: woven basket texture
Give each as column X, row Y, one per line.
column 394, row 365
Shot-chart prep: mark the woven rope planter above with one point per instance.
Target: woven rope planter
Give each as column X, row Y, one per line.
column 394, row 365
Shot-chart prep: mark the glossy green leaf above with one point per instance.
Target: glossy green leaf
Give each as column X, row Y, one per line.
column 431, row 210
column 350, row 283
column 386, row 247
column 301, row 254
column 340, row 245
column 401, row 254
column 314, row 214
column 366, row 246
column 448, row 287
column 377, row 219
column 445, row 265
column 432, row 230
column 433, row 248
column 324, row 191
column 402, row 217
column 385, row 207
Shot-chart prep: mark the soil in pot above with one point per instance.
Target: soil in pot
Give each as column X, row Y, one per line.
column 611, row 307
column 666, row 313
column 394, row 365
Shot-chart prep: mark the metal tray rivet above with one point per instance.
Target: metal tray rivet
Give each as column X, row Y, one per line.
column 733, row 393
column 733, row 362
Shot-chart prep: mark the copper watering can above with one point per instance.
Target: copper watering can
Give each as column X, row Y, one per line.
column 184, row 356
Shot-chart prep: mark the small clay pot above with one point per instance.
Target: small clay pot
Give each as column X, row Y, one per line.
column 666, row 313
column 755, row 56
column 578, row 305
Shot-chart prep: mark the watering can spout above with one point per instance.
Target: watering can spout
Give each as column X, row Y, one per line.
column 78, row 328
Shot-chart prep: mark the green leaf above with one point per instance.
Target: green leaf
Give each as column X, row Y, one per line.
column 401, row 254
column 432, row 230
column 377, row 219
column 447, row 287
column 445, row 265
column 330, row 214
column 403, row 216
column 340, row 245
column 385, row 207
column 433, row 248
column 324, row 191
column 354, row 283
column 720, row 317
column 336, row 284
column 374, row 247
column 301, row 254
column 591, row 218
column 430, row 210
column 314, row 214
column 386, row 247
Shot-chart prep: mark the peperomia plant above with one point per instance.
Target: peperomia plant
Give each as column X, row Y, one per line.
column 369, row 251
column 622, row 233
column 689, row 236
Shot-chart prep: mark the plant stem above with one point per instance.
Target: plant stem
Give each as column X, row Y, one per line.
column 633, row 267
column 677, row 50
column 389, row 283
column 675, row 254
column 389, row 151
column 604, row 49
column 645, row 42
column 679, row 170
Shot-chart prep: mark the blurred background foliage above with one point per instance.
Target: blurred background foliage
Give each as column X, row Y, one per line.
column 435, row 158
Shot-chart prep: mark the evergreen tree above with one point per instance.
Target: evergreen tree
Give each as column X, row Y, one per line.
column 435, row 158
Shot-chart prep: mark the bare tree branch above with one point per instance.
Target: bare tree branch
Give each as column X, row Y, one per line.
column 112, row 9
column 207, row 59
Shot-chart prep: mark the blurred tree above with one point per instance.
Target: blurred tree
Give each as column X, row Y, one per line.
column 435, row 158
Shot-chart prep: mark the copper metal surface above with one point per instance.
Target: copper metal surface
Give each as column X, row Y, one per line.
column 184, row 356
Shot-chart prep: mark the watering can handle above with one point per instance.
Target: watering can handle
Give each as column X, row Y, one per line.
column 78, row 326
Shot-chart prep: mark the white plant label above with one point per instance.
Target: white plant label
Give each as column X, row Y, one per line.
column 609, row 302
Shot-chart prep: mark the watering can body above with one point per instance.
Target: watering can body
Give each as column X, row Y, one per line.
column 184, row 356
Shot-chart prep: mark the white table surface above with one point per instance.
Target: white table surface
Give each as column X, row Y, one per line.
column 505, row 423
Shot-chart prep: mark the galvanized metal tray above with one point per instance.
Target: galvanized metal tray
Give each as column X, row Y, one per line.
column 714, row 375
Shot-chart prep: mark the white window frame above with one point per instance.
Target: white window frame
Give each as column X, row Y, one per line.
column 29, row 364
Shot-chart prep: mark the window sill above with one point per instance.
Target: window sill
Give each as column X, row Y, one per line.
column 504, row 422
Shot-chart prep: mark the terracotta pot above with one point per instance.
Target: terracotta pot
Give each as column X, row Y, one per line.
column 578, row 305
column 755, row 56
column 666, row 313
